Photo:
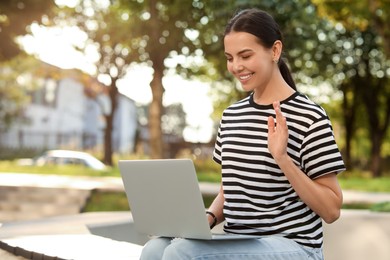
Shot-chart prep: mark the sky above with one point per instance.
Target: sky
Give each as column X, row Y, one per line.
column 56, row 46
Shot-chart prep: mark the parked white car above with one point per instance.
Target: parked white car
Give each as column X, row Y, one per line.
column 65, row 157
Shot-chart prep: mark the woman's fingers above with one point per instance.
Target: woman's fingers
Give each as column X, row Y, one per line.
column 271, row 125
column 280, row 119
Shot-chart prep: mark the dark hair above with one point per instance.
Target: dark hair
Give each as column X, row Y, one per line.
column 262, row 25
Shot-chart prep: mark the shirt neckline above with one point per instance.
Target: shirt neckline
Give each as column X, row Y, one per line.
column 268, row 106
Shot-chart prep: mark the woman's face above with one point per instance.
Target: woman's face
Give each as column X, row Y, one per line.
column 248, row 60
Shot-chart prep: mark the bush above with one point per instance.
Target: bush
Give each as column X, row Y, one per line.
column 381, row 207
column 7, row 153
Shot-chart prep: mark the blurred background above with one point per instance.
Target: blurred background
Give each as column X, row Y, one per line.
column 130, row 79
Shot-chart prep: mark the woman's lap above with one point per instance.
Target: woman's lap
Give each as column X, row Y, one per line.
column 265, row 248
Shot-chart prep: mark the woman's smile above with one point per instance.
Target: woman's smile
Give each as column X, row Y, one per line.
column 245, row 77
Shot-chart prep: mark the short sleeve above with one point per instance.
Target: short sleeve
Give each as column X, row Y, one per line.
column 320, row 154
column 218, row 148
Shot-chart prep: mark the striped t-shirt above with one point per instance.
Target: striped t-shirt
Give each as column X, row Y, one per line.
column 258, row 197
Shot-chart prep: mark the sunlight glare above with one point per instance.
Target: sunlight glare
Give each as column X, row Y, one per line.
column 57, row 45
column 192, row 94
column 68, row 3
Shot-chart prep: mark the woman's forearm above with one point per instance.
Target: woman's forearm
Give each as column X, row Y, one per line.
column 322, row 195
column 217, row 207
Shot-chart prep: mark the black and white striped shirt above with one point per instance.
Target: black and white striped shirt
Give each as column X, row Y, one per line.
column 258, row 197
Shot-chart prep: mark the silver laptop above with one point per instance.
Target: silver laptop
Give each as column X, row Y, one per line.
column 165, row 199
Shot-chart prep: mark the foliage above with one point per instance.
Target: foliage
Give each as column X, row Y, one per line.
column 161, row 30
column 15, row 75
column 361, row 69
column 15, row 16
column 16, row 153
column 381, row 207
column 117, row 201
column 173, row 120
column 106, row 31
column 381, row 184
column 69, row 170
column 207, row 165
column 359, row 15
column 145, row 32
column 106, row 201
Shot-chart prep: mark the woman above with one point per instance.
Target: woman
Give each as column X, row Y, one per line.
column 278, row 155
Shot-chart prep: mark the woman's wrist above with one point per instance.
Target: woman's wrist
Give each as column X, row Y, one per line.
column 215, row 220
column 283, row 161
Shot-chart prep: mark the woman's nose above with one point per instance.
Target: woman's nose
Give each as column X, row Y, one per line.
column 238, row 67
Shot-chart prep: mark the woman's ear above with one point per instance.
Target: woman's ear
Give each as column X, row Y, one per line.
column 277, row 50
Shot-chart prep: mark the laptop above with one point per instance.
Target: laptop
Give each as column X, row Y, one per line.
column 165, row 199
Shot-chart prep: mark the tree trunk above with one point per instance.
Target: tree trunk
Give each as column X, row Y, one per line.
column 378, row 127
column 380, row 25
column 157, row 54
column 108, row 140
column 349, row 112
column 108, row 151
column 376, row 159
column 155, row 112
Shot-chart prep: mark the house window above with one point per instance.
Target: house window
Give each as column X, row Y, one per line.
column 46, row 95
column 51, row 93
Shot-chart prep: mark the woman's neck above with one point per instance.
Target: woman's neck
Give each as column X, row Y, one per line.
column 276, row 90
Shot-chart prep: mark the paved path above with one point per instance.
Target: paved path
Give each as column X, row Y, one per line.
column 69, row 238
column 115, row 183
column 357, row 235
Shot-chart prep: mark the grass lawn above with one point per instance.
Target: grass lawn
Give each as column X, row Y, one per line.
column 69, row 170
column 117, row 201
column 366, row 184
column 354, row 182
column 113, row 201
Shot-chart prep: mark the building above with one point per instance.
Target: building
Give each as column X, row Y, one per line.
column 67, row 113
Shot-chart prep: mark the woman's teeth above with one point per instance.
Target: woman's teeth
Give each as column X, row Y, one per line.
column 245, row 77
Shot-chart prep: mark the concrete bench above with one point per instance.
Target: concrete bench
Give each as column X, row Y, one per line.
column 357, row 235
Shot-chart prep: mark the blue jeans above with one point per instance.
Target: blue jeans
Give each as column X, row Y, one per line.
column 271, row 248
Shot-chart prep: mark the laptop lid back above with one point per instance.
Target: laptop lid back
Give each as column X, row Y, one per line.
column 164, row 198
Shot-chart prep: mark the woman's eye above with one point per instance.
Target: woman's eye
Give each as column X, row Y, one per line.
column 246, row 57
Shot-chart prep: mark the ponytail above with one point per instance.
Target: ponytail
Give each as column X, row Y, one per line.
column 285, row 71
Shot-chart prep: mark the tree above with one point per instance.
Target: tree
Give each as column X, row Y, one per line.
column 173, row 121
column 15, row 16
column 145, row 32
column 107, row 30
column 164, row 30
column 368, row 78
column 362, row 68
column 359, row 15
column 15, row 75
